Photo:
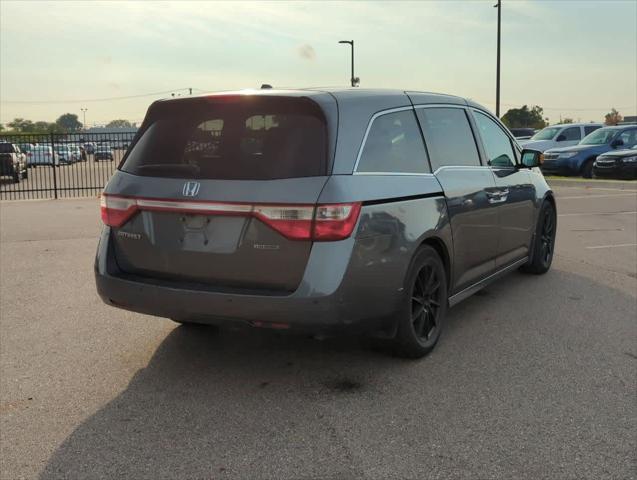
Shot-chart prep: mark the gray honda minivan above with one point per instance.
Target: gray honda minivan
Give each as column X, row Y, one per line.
column 320, row 210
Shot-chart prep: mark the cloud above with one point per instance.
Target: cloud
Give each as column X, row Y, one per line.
column 307, row 52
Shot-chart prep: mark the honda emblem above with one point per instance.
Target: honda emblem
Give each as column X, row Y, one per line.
column 191, row 189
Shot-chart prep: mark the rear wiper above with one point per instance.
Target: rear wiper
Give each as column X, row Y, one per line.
column 180, row 168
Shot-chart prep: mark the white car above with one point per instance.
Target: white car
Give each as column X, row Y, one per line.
column 42, row 155
column 557, row 136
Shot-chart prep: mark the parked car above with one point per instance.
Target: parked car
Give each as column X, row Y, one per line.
column 25, row 147
column 617, row 164
column 89, row 147
column 557, row 136
column 578, row 159
column 64, row 153
column 103, row 153
column 13, row 162
column 76, row 153
column 522, row 133
column 338, row 216
column 42, row 155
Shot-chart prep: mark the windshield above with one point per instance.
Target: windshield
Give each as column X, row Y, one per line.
column 546, row 134
column 599, row 137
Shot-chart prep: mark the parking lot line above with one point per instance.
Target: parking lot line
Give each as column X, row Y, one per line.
column 598, row 213
column 578, row 197
column 614, row 246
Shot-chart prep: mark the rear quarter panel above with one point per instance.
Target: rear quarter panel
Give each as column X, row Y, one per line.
column 399, row 213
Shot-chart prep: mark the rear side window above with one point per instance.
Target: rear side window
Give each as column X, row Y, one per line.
column 571, row 134
column 394, row 145
column 245, row 139
column 590, row 129
column 448, row 136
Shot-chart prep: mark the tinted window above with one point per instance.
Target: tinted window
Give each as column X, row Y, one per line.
column 6, row 147
column 242, row 139
column 394, row 144
column 496, row 143
column 570, row 134
column 448, row 136
column 629, row 137
column 590, row 129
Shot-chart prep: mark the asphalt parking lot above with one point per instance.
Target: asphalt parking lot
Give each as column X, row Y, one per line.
column 535, row 377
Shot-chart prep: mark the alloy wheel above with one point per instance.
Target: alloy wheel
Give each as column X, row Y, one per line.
column 425, row 302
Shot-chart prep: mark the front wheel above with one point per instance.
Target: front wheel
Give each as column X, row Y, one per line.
column 422, row 315
column 587, row 169
column 544, row 243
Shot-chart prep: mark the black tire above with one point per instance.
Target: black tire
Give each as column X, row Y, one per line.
column 424, row 306
column 587, row 168
column 544, row 242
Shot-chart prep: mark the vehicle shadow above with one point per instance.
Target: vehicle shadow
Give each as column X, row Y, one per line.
column 262, row 404
column 213, row 403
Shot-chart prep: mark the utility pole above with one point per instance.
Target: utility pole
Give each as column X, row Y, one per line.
column 497, row 75
column 353, row 80
column 84, row 117
column 190, row 91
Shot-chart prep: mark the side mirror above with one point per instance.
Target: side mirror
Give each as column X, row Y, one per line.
column 532, row 158
column 560, row 138
column 617, row 143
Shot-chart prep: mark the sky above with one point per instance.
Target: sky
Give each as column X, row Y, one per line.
column 574, row 58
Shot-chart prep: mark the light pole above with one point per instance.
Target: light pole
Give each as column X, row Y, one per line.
column 354, row 80
column 497, row 74
column 84, row 116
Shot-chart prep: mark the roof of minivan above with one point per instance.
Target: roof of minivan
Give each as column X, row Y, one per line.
column 341, row 93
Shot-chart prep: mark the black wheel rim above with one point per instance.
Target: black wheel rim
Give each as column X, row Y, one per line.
column 547, row 236
column 425, row 303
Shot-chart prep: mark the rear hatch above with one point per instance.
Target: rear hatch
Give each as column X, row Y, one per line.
column 221, row 192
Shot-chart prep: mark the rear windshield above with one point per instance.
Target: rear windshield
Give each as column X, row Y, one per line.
column 250, row 138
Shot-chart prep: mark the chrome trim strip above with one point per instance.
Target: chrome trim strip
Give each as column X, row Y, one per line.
column 441, row 105
column 194, row 206
column 401, row 174
column 467, row 292
column 369, row 126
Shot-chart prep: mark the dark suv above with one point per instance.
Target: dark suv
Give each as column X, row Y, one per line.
column 371, row 210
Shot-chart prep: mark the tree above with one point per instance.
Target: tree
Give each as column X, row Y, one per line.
column 21, row 125
column 69, row 122
column 567, row 120
column 119, row 124
column 613, row 117
column 524, row 117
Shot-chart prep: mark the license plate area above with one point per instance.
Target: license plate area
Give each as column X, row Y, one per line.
column 210, row 233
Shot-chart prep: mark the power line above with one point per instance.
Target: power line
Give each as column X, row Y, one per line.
column 105, row 99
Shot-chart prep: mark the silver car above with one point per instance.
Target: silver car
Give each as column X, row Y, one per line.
column 307, row 210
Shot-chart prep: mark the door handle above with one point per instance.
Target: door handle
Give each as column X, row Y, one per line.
column 497, row 196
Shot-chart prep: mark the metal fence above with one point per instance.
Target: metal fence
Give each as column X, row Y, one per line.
column 59, row 165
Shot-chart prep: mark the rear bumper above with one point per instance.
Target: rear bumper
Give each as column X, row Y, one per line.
column 328, row 297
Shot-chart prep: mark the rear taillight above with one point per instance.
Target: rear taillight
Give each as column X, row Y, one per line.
column 116, row 211
column 335, row 222
column 295, row 222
